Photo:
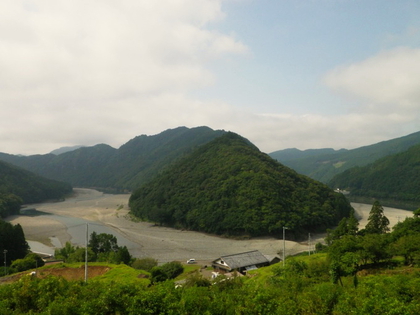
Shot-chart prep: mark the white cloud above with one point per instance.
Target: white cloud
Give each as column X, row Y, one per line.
column 88, row 72
column 274, row 132
column 77, row 69
column 82, row 49
column 389, row 78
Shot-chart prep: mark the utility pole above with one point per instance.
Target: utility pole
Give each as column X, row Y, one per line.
column 86, row 252
column 5, row 261
column 284, row 244
column 309, row 244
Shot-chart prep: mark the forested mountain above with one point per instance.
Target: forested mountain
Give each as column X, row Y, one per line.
column 126, row 168
column 229, row 187
column 324, row 164
column 392, row 177
column 19, row 186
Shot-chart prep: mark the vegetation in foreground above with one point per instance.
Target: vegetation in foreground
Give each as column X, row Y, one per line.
column 368, row 271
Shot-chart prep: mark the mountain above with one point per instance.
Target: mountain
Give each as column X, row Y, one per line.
column 395, row 177
column 126, row 168
column 324, row 164
column 228, row 187
column 30, row 188
column 65, row 149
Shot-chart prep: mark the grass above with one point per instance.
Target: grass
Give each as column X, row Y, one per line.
column 188, row 270
column 262, row 275
column 125, row 274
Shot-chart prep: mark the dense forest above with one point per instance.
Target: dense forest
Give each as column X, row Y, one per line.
column 142, row 158
column 229, row 187
column 19, row 186
column 324, row 164
column 123, row 169
column 367, row 271
column 392, row 177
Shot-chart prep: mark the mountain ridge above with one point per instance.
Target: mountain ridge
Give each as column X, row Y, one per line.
column 324, row 164
column 123, row 169
column 229, row 187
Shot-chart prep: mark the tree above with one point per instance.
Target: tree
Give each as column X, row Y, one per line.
column 408, row 247
column 344, row 257
column 65, row 252
column 123, row 256
column 374, row 248
column 13, row 240
column 347, row 226
column 103, row 243
column 377, row 221
column 79, row 255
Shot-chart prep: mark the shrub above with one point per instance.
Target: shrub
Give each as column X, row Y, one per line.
column 144, row 263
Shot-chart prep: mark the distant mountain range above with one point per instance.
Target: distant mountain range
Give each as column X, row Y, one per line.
column 324, row 164
column 144, row 157
column 123, row 169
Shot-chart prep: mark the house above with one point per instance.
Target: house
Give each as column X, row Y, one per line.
column 241, row 262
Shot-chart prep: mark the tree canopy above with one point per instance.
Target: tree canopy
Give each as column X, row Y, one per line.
column 229, row 187
column 20, row 186
column 12, row 239
column 394, row 177
column 377, row 221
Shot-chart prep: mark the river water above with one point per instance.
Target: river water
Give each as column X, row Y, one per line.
column 56, row 223
column 78, row 229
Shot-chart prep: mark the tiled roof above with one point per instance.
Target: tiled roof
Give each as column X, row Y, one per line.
column 244, row 259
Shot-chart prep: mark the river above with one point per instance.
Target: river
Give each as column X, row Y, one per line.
column 56, row 223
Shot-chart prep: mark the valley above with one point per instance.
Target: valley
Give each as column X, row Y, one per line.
column 53, row 224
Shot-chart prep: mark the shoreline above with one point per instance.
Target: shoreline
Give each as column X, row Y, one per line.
column 148, row 240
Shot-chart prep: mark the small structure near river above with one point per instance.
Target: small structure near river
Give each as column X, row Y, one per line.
column 241, row 262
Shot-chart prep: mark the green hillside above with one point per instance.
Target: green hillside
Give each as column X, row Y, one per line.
column 324, row 164
column 395, row 177
column 360, row 272
column 229, row 187
column 20, row 186
column 126, row 168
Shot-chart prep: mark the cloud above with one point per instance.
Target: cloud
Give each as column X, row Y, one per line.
column 389, row 78
column 77, row 70
column 108, row 49
column 88, row 72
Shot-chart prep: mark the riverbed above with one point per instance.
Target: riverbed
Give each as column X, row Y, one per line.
column 54, row 224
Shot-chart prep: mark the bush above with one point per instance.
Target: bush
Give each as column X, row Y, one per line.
column 173, row 269
column 144, row 264
column 30, row 261
column 167, row 271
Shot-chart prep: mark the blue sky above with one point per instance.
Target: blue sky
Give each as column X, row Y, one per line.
column 286, row 73
column 293, row 44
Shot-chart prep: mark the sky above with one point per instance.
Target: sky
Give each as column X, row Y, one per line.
column 300, row 74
